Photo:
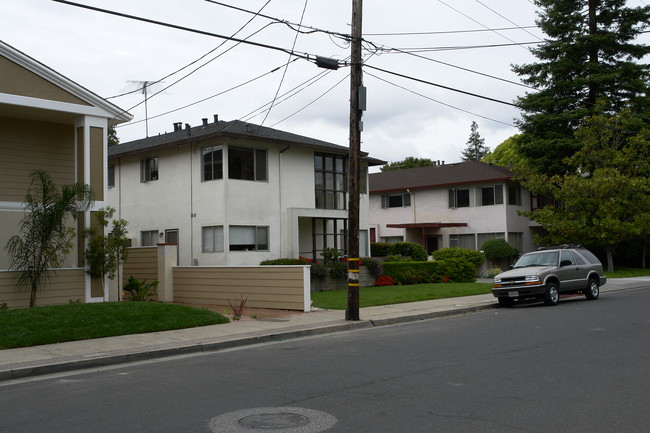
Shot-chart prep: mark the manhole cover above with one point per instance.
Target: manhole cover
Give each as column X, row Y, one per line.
column 273, row 419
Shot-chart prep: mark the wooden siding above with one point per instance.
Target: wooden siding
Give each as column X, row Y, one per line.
column 66, row 285
column 26, row 146
column 141, row 263
column 279, row 287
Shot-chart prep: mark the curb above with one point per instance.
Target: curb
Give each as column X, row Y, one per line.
column 433, row 315
column 147, row 355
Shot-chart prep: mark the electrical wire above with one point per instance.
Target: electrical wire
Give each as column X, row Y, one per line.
column 437, row 101
column 505, row 18
column 447, row 32
column 284, row 73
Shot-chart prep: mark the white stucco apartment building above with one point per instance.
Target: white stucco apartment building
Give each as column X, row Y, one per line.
column 452, row 205
column 234, row 193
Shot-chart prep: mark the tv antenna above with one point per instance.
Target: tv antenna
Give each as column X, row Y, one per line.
column 144, row 87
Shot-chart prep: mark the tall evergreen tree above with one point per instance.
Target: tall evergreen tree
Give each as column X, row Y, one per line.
column 590, row 55
column 475, row 150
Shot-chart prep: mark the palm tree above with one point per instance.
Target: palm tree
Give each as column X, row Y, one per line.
column 45, row 238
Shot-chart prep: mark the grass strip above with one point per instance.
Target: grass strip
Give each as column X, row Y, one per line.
column 56, row 324
column 386, row 295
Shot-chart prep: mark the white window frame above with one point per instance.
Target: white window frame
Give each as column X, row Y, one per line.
column 258, row 238
column 259, row 162
column 149, row 238
column 212, row 240
column 453, row 198
column 405, row 199
column 216, row 174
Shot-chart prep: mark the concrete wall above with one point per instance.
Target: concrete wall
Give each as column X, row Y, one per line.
column 66, row 285
column 281, row 287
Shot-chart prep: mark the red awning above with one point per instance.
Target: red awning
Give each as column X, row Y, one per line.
column 425, row 225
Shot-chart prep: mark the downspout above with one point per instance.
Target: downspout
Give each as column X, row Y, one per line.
column 192, row 150
column 281, row 206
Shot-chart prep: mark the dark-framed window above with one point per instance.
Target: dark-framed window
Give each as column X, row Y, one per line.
column 514, row 195
column 330, row 176
column 458, row 197
column 491, row 195
column 396, row 200
column 111, row 176
column 212, row 163
column 247, row 163
column 148, row 169
column 149, row 238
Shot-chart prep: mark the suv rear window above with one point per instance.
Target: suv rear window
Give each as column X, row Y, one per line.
column 589, row 256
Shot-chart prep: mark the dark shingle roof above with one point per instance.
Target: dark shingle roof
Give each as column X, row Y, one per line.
column 437, row 176
column 234, row 128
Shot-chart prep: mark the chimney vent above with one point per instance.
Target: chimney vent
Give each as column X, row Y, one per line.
column 216, row 118
column 205, row 121
column 187, row 128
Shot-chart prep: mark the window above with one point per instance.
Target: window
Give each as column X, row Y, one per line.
column 149, row 238
column 247, row 163
column 111, row 176
column 463, row 241
column 171, row 236
column 392, row 239
column 458, row 198
column 148, row 169
column 396, row 200
column 491, row 195
column 484, row 237
column 212, row 239
column 212, row 163
column 249, row 238
column 330, row 181
column 514, row 195
column 566, row 256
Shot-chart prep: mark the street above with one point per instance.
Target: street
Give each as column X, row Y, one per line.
column 582, row 366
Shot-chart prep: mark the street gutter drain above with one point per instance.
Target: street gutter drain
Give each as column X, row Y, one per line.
column 273, row 419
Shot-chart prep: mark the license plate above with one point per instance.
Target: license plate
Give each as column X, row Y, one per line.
column 513, row 294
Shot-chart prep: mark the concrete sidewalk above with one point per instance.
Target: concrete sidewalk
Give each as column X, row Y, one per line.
column 74, row 355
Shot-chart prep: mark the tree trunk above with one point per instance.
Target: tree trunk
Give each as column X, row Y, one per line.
column 610, row 259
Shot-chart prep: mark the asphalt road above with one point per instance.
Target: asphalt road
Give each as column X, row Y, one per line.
column 582, row 366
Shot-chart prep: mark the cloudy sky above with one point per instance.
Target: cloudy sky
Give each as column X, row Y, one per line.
column 467, row 45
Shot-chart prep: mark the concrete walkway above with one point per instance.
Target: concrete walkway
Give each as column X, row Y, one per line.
column 75, row 355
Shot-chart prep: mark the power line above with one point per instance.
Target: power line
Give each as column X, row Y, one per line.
column 301, row 55
column 441, row 86
column 505, row 18
column 437, row 101
column 447, row 32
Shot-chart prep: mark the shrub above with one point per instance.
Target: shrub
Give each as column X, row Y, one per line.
column 379, row 249
column 330, row 255
column 276, row 262
column 416, row 252
column 140, row 290
column 496, row 249
column 385, row 280
column 373, row 266
column 476, row 258
column 454, row 269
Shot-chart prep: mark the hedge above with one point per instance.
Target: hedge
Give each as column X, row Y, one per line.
column 474, row 257
column 451, row 270
column 409, row 249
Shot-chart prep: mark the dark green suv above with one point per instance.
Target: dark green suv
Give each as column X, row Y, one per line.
column 548, row 273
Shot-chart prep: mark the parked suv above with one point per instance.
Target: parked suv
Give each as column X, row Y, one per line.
column 549, row 272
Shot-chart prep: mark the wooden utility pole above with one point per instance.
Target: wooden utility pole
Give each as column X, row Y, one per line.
column 352, row 311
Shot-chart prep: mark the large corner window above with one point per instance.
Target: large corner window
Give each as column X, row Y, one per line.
column 248, row 238
column 212, row 239
column 247, row 163
column 212, row 163
column 490, row 195
column 330, row 176
column 148, row 169
column 458, row 197
column 396, row 200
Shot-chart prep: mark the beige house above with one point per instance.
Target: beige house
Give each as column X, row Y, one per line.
column 49, row 122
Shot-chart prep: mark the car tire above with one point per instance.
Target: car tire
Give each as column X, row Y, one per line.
column 552, row 294
column 505, row 302
column 592, row 291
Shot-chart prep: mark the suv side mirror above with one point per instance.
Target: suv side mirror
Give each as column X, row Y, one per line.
column 565, row 263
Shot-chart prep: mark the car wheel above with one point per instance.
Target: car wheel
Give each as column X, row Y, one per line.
column 592, row 290
column 552, row 295
column 506, row 302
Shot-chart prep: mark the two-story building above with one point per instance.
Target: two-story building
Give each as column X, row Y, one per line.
column 50, row 122
column 235, row 193
column 450, row 205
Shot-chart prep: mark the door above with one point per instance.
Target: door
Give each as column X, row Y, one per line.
column 432, row 244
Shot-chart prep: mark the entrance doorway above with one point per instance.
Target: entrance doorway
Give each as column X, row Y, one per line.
column 433, row 243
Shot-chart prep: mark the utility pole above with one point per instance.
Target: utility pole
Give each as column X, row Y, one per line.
column 352, row 311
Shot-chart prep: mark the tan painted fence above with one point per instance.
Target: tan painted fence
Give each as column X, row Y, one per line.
column 142, row 263
column 281, row 287
column 65, row 286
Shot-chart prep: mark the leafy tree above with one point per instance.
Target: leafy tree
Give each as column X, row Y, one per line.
column 605, row 202
column 589, row 55
column 106, row 253
column 113, row 139
column 507, row 155
column 408, row 162
column 45, row 237
column 476, row 149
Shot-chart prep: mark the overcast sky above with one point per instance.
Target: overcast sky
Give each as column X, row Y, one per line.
column 110, row 55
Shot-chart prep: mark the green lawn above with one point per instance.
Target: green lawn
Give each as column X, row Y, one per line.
column 45, row 325
column 373, row 296
column 623, row 272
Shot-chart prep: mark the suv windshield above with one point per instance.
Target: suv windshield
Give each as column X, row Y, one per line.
column 548, row 258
